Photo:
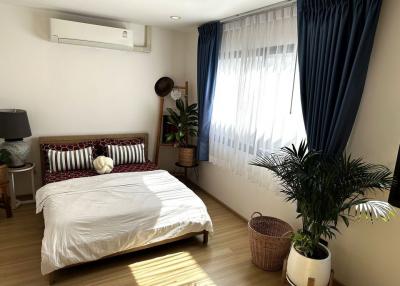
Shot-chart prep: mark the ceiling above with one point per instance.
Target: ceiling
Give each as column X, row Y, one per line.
column 151, row 12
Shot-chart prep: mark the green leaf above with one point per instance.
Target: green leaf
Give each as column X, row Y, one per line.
column 170, row 137
column 345, row 220
column 185, row 120
column 192, row 108
column 372, row 210
column 171, row 111
column 180, row 105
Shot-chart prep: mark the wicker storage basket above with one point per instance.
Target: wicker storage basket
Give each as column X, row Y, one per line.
column 186, row 156
column 269, row 241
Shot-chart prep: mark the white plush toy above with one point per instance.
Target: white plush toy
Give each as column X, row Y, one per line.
column 103, row 165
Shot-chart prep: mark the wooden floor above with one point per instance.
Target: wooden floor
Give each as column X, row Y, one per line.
column 225, row 261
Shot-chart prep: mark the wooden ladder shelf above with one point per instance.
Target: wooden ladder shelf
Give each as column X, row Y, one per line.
column 185, row 89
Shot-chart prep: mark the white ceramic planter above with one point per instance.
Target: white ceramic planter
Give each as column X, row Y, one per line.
column 300, row 268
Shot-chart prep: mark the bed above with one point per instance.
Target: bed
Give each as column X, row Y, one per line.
column 91, row 217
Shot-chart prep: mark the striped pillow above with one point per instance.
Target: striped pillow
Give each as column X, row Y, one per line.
column 126, row 154
column 70, row 160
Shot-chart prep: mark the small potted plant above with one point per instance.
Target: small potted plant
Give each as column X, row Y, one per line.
column 326, row 190
column 5, row 158
column 185, row 122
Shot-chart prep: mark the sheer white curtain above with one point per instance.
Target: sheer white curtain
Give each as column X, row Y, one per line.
column 257, row 102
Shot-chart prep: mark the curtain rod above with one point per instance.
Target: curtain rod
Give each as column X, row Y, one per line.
column 281, row 4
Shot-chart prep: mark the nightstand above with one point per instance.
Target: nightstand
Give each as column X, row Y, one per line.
column 29, row 167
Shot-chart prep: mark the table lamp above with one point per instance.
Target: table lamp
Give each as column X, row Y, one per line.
column 14, row 126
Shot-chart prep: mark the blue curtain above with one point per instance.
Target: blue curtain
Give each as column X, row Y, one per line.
column 335, row 42
column 207, row 61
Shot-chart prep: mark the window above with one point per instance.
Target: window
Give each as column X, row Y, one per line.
column 257, row 102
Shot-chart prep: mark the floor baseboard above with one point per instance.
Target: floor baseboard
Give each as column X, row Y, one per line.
column 191, row 183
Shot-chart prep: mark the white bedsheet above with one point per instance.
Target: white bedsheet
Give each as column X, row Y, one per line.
column 89, row 218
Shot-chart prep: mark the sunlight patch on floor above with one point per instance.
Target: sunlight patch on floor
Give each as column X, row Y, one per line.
column 174, row 269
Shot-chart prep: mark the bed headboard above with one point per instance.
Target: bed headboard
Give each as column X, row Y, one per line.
column 73, row 139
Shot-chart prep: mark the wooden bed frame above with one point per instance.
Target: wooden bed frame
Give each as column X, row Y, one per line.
column 81, row 138
column 51, row 277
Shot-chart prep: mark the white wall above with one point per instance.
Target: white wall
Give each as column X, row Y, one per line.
column 365, row 254
column 70, row 89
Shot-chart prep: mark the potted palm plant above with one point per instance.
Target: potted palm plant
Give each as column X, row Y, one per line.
column 326, row 190
column 5, row 158
column 185, row 122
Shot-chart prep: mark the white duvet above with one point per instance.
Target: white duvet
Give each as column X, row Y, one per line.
column 89, row 218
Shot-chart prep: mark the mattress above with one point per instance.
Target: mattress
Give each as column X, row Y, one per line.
column 92, row 217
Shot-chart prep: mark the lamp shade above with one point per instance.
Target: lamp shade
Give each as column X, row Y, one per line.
column 14, row 124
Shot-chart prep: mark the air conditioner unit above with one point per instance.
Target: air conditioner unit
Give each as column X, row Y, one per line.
column 77, row 33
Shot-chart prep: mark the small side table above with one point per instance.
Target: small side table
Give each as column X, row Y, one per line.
column 194, row 166
column 29, row 167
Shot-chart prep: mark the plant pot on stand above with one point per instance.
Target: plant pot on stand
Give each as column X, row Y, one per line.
column 185, row 122
column 187, row 156
column 300, row 269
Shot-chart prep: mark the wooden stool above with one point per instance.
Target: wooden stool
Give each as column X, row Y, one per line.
column 6, row 204
column 311, row 281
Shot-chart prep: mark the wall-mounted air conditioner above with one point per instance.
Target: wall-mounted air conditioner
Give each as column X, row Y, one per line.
column 77, row 33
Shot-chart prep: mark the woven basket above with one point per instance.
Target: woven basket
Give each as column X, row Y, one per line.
column 269, row 241
column 186, row 156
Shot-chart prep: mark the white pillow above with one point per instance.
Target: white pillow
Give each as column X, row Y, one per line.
column 126, row 154
column 70, row 160
column 103, row 165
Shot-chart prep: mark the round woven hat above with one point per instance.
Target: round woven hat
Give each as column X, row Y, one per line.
column 164, row 86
